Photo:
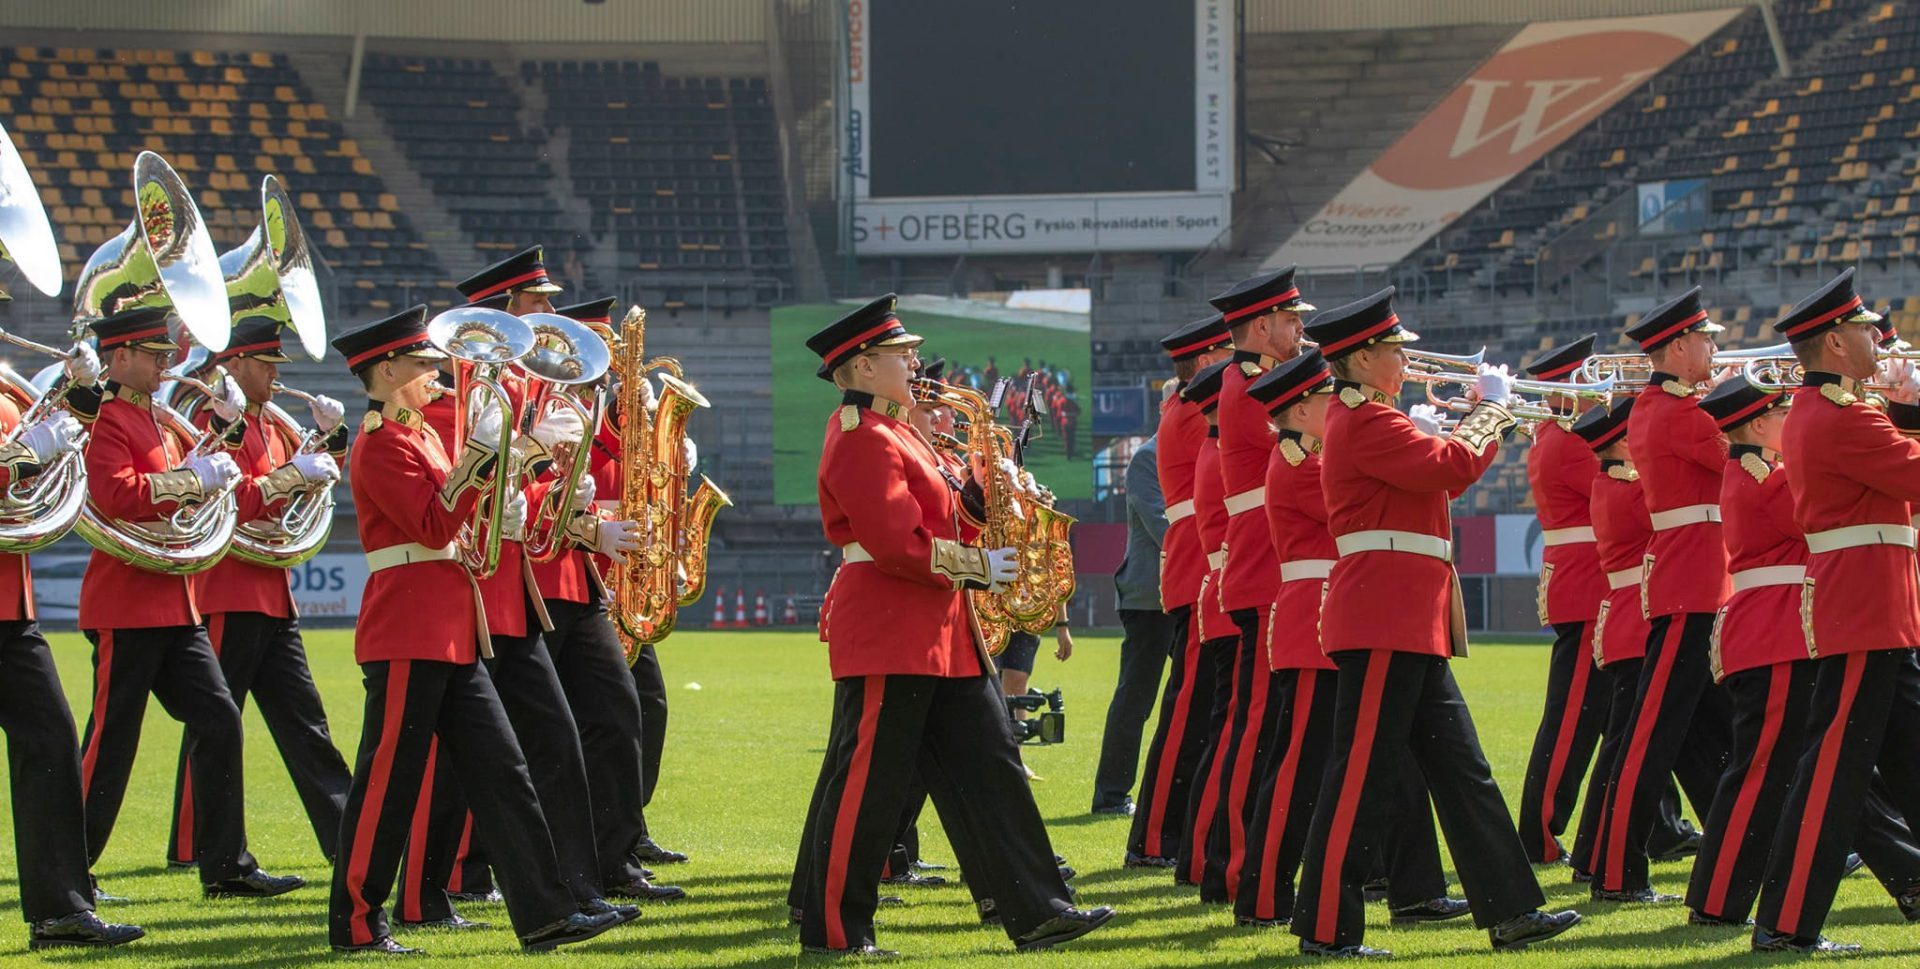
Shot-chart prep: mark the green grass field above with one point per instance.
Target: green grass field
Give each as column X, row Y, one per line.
column 749, row 716
column 802, row 402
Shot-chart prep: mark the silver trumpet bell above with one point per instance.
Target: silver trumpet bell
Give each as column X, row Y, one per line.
column 271, row 273
column 165, row 257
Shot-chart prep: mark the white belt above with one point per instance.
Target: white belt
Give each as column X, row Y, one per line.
column 1386, row 540
column 1246, row 500
column 1624, row 578
column 1768, row 575
column 1577, row 535
column 397, row 555
column 1217, row 560
column 1685, row 515
column 1854, row 536
column 1179, row 510
column 854, row 553
column 1305, row 569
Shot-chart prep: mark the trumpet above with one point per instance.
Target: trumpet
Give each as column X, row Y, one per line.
column 1431, row 363
column 485, row 341
column 1630, row 371
column 1526, row 410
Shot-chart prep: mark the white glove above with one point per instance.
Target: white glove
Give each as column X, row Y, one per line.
column 693, row 453
column 215, row 471
column 646, row 392
column 50, row 437
column 316, row 468
column 1426, row 417
column 583, row 493
column 1003, row 564
column 1902, row 384
column 231, row 402
column 559, row 426
column 327, row 413
column 484, row 420
column 614, row 539
column 1495, row 385
column 83, row 365
column 513, row 518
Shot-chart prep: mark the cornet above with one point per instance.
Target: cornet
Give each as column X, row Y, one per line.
column 485, row 341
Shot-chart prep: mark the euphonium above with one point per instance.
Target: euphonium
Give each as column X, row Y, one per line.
column 485, row 341
column 300, row 531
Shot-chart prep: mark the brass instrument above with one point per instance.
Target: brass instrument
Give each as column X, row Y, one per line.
column 485, row 341
column 566, row 358
column 1433, row 363
column 1525, row 410
column 271, row 274
column 1630, row 371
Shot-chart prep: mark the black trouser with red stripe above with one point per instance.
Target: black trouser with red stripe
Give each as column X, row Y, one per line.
column 1159, row 814
column 1681, row 724
column 957, row 732
column 1221, row 657
column 1576, row 710
column 1865, row 714
column 1390, row 707
column 1149, row 640
column 263, row 656
column 1617, row 683
column 652, row 687
column 592, row 667
column 49, row 828
column 176, row 664
column 417, row 710
column 1222, row 832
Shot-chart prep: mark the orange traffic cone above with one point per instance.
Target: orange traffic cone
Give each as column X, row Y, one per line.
column 760, row 615
column 719, row 610
column 740, row 608
column 790, row 616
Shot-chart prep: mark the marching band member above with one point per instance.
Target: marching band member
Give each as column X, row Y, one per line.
column 1296, row 394
column 1263, row 314
column 1179, row 737
column 426, row 693
column 145, row 625
column 1387, row 485
column 910, row 672
column 1680, row 721
column 1218, row 635
column 250, row 616
column 1853, row 472
column 1560, row 472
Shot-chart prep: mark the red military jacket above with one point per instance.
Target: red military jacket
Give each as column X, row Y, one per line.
column 608, row 481
column 1182, row 562
column 511, row 586
column 1679, row 453
column 1210, row 516
column 233, row 585
column 123, row 447
column 16, row 580
column 1252, row 575
column 880, row 486
column 422, row 610
column 1759, row 626
column 1560, row 472
column 1849, row 466
column 1380, row 472
column 1621, row 524
column 1297, row 523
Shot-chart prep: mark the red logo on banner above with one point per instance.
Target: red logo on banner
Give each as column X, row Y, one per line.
column 1520, row 104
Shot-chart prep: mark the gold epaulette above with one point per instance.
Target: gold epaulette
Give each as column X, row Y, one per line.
column 1623, row 472
column 1292, row 451
column 849, row 417
column 371, row 422
column 1250, row 369
column 1677, row 388
column 1755, row 465
column 1840, row 398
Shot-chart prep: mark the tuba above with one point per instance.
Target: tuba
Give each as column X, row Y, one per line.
column 164, row 258
column 486, row 341
column 567, row 357
column 649, row 586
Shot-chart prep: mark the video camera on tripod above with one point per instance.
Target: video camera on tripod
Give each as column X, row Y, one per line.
column 1050, row 727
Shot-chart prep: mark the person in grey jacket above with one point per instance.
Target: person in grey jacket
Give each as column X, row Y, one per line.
column 1148, row 635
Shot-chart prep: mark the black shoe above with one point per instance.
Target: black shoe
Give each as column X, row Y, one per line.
column 1909, row 902
column 652, row 854
column 989, row 912
column 1643, row 896
column 1559, row 854
column 100, row 895
column 1685, row 847
column 1123, row 809
column 868, row 951
column 1854, row 861
column 647, row 891
column 1767, row 940
column 382, row 946
column 173, row 865
column 1582, row 877
column 80, row 928
column 1147, row 861
column 921, row 865
column 253, row 884
column 913, row 879
column 1065, row 927
column 490, row 896
column 794, row 915
column 1327, row 950
column 890, row 900
column 1059, row 859
column 1374, row 891
column 1254, row 923
column 600, row 906
column 1067, row 873
column 578, row 927
column 1714, row 921
column 1521, row 931
column 1432, row 910
column 452, row 923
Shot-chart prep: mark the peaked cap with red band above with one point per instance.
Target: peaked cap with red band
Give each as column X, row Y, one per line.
column 1260, row 294
column 592, row 311
column 257, row 337
column 143, row 328
column 1603, row 426
column 402, row 334
column 1560, row 362
column 1361, row 323
column 1292, row 382
column 872, row 325
column 1736, row 401
column 522, row 272
column 1828, row 307
column 1667, row 322
column 1196, row 338
column 1204, row 388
